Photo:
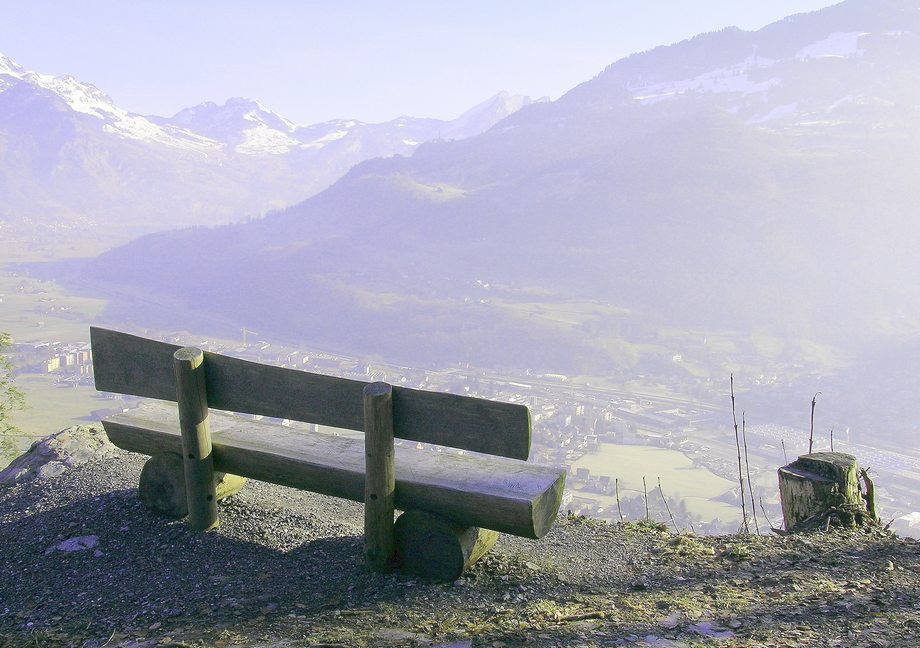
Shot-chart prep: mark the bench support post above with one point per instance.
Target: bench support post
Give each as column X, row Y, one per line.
column 380, row 477
column 196, row 439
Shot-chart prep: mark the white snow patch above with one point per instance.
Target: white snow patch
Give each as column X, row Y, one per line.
column 408, row 142
column 325, row 139
column 262, row 139
column 732, row 79
column 786, row 110
column 840, row 102
column 83, row 98
column 837, row 45
column 332, row 136
column 265, row 109
column 90, row 100
column 139, row 128
column 8, row 66
column 823, row 122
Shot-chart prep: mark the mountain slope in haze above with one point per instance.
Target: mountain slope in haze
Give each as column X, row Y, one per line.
column 739, row 179
column 71, row 158
column 577, row 236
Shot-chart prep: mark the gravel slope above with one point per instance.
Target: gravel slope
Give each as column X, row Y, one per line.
column 84, row 564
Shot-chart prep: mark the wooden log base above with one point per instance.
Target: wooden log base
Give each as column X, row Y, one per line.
column 162, row 485
column 438, row 549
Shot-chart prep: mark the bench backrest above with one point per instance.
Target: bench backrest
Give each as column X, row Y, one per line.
column 128, row 364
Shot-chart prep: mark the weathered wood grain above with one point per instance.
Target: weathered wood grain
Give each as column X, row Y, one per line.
column 380, row 477
column 436, row 548
column 128, row 364
column 506, row 495
column 196, row 438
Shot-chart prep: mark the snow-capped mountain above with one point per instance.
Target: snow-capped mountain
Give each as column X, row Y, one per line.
column 243, row 125
column 762, row 179
column 480, row 118
column 73, row 158
column 753, row 87
column 812, row 69
column 89, row 100
column 248, row 127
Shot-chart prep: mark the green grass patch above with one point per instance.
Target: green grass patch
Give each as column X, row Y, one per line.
column 437, row 192
column 822, row 355
column 766, row 345
column 679, row 477
column 42, row 310
column 52, row 407
column 694, row 369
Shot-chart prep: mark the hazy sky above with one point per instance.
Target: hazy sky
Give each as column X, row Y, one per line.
column 311, row 61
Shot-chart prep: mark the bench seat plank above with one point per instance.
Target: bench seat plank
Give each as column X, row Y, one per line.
column 498, row 493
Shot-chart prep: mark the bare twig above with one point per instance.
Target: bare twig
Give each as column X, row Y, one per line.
column 111, row 636
column 767, row 517
column 747, row 467
column 738, row 447
column 645, row 491
column 811, row 435
column 667, row 507
column 785, row 458
column 616, row 487
column 832, row 438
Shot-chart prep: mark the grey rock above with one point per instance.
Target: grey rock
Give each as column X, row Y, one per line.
column 51, row 456
column 69, row 545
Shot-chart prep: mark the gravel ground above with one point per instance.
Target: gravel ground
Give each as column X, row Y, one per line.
column 84, row 564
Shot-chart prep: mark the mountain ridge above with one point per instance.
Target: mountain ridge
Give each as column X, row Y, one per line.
column 543, row 199
column 207, row 164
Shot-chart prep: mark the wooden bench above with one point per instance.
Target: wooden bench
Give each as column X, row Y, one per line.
column 454, row 502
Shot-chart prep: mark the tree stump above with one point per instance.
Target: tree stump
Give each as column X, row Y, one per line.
column 821, row 488
column 436, row 548
column 162, row 485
